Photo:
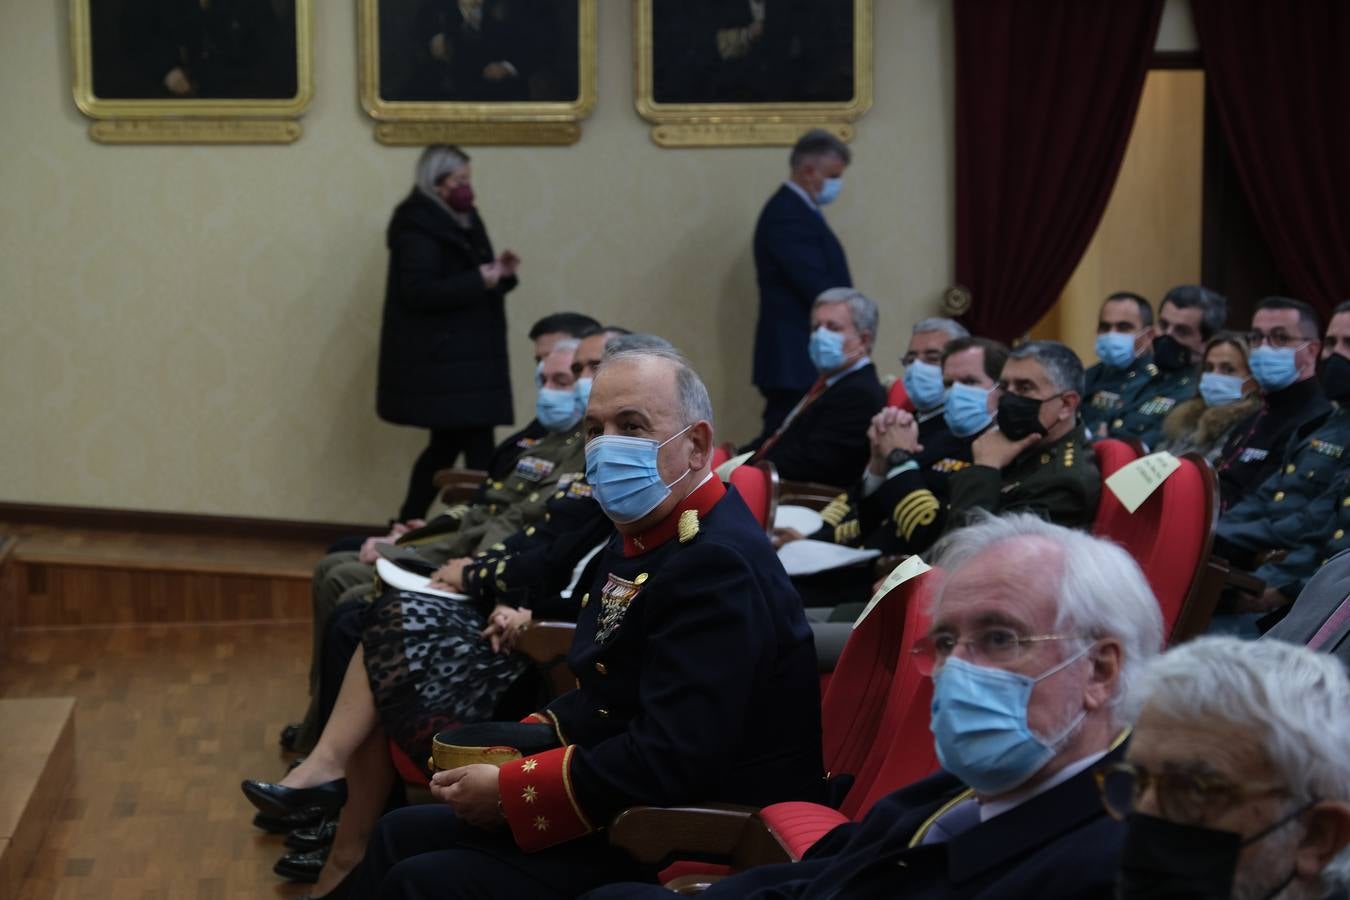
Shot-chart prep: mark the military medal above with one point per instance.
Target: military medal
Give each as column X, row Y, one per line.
column 615, row 597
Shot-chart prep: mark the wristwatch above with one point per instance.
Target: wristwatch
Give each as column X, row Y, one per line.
column 897, row 457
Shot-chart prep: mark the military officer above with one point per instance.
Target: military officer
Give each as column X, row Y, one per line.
column 1285, row 347
column 1189, row 316
column 1124, row 348
column 695, row 666
column 1035, row 460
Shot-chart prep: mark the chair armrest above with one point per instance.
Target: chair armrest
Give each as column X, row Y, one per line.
column 810, row 494
column 1237, row 578
column 655, row 835
column 546, row 642
column 797, row 825
column 458, row 485
column 692, row 885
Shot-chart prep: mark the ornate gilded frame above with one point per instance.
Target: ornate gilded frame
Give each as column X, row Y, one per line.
column 408, row 122
column 721, row 124
column 169, row 121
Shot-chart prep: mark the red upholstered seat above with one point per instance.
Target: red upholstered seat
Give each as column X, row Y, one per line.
column 898, row 396
column 408, row 770
column 1111, row 455
column 758, row 487
column 1170, row 537
column 721, row 453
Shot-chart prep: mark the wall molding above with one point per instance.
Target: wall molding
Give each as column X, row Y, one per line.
column 179, row 523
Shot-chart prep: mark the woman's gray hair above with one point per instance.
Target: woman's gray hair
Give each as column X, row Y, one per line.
column 436, row 162
column 1102, row 592
column 1291, row 701
column 862, row 309
column 950, row 327
column 695, row 404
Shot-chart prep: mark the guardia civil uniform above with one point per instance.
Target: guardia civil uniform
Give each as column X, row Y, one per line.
column 1058, row 482
column 1326, row 523
column 1254, row 451
column 1149, row 402
column 1107, row 390
column 696, row 681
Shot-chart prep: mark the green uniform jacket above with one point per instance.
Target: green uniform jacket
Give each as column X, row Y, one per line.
column 504, row 506
column 1107, row 390
column 1058, row 482
column 1150, row 403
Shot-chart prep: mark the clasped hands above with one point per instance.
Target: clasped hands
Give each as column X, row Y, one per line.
column 891, row 429
column 504, row 266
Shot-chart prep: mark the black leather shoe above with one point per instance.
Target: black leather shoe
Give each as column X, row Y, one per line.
column 289, row 734
column 305, row 818
column 320, row 835
column 302, row 866
column 277, row 800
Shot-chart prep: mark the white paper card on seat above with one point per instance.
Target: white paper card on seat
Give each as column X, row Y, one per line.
column 912, row 567
column 1135, row 482
column 807, row 557
column 802, row 519
column 725, row 469
column 403, row 580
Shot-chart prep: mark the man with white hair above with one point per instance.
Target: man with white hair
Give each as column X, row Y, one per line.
column 1037, row 636
column 696, row 673
column 824, row 437
column 1237, row 779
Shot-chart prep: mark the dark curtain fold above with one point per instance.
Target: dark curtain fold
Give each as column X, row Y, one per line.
column 1279, row 74
column 1046, row 94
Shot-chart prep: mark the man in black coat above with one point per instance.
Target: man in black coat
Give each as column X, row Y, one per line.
column 443, row 360
column 824, row 437
column 1026, row 704
column 797, row 257
column 695, row 666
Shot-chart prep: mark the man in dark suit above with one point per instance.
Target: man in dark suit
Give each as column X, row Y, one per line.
column 824, row 437
column 695, row 665
column 1025, row 706
column 797, row 257
column 1320, row 617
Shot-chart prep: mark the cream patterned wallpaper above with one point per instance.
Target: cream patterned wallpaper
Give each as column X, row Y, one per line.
column 194, row 328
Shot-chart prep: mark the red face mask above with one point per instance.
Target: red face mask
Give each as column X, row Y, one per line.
column 461, row 198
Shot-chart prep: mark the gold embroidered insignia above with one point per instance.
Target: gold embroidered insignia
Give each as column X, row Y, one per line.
column 529, row 765
column 541, row 823
column 529, row 795
column 688, row 526
column 615, row 597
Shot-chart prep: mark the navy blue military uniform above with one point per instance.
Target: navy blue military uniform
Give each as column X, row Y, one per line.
column 797, row 257
column 697, row 682
column 1058, row 844
column 826, row 441
column 1326, row 532
column 1107, row 391
column 1257, row 445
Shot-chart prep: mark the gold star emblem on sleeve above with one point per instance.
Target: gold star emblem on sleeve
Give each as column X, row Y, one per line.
column 529, row 765
column 529, row 795
column 540, row 823
column 688, row 525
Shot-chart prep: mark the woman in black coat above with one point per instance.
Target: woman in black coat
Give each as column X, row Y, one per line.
column 443, row 361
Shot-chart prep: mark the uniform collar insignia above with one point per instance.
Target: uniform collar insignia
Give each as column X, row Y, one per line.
column 699, row 502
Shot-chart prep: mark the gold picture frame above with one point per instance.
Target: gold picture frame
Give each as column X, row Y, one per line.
column 693, row 123
column 134, row 108
column 430, row 113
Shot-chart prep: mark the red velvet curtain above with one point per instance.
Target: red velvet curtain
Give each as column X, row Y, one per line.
column 1046, row 94
column 1279, row 74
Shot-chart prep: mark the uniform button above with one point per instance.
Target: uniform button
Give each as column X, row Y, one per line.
column 496, row 485
column 585, row 598
column 534, row 495
column 602, row 669
column 1289, row 469
column 1345, row 502
column 1340, row 533
column 602, row 713
column 529, row 532
column 641, row 579
column 1117, row 423
column 1279, row 496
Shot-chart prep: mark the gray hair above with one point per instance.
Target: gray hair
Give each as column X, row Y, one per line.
column 624, row 343
column 695, row 404
column 436, row 162
column 1213, row 306
column 950, row 327
column 818, row 142
column 569, row 344
column 1102, row 592
column 1293, row 702
column 862, row 309
column 1062, row 365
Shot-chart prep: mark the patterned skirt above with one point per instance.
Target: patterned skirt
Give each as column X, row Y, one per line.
column 429, row 669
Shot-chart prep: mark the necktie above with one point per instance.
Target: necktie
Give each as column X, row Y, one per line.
column 816, row 390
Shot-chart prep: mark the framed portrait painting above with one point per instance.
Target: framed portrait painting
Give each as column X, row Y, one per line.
column 193, row 71
column 714, row 72
column 478, row 71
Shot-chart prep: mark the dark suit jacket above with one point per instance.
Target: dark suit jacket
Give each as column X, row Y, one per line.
column 827, row 442
column 1314, row 606
column 796, row 257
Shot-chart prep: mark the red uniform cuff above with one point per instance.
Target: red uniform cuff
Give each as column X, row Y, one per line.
column 536, row 719
column 538, row 801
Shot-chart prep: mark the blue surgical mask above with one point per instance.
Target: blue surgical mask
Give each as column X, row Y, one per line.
column 556, row 410
column 1273, row 368
column 829, row 191
column 923, row 383
column 967, row 410
column 1221, row 390
column 1115, row 349
column 826, row 349
column 624, row 477
column 582, row 392
column 980, row 725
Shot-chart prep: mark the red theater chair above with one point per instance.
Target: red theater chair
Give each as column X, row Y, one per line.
column 899, row 397
column 758, row 487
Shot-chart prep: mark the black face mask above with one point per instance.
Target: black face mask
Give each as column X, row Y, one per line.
column 1335, row 378
column 1020, row 416
column 1164, row 859
column 1170, row 354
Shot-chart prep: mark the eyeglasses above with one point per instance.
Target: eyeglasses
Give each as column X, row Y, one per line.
column 1279, row 338
column 996, row 645
column 1185, row 797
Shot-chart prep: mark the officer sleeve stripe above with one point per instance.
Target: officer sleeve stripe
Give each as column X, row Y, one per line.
column 918, row 508
column 567, row 786
column 835, row 511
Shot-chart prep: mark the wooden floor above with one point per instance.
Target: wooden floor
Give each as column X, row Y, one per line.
column 169, row 718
